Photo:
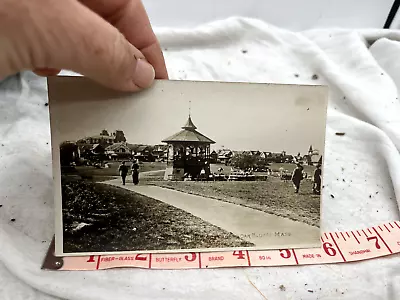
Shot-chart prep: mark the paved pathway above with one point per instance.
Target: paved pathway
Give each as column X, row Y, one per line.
column 262, row 229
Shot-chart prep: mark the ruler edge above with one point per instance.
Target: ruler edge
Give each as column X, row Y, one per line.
column 55, row 263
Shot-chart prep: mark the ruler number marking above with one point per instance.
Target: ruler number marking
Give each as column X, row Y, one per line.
column 91, row 259
column 382, row 240
column 193, row 258
column 376, row 241
column 139, row 257
column 328, row 248
column 239, row 254
column 287, row 254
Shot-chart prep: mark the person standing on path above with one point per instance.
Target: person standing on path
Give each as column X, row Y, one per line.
column 135, row 172
column 297, row 177
column 123, row 171
column 317, row 180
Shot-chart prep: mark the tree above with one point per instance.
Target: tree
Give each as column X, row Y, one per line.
column 104, row 132
column 119, row 136
column 247, row 161
column 68, row 153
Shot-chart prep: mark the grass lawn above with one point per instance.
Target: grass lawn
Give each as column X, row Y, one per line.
column 272, row 196
column 122, row 220
column 96, row 174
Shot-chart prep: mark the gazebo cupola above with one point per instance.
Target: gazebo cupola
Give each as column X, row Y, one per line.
column 188, row 153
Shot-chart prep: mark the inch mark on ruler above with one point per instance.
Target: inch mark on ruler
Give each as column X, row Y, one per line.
column 98, row 262
column 355, row 237
column 295, row 257
column 248, row 258
column 337, row 247
column 199, row 260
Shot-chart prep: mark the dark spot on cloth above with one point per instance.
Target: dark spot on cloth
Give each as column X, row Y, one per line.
column 1, row 205
column 314, row 77
column 377, row 193
column 370, row 196
column 340, row 133
column 163, row 288
column 305, row 284
column 381, row 73
column 310, row 291
column 244, row 51
column 296, row 75
column 43, row 241
column 344, row 180
column 377, row 211
column 282, row 287
column 46, row 104
column 12, row 220
column 47, row 143
column 165, row 49
column 332, row 196
column 308, row 108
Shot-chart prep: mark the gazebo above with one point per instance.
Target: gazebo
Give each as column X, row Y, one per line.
column 188, row 153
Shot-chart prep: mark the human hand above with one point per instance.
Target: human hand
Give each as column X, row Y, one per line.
column 109, row 41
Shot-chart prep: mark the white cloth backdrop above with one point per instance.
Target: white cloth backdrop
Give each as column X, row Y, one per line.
column 362, row 69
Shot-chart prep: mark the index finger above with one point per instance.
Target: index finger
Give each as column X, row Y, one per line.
column 131, row 19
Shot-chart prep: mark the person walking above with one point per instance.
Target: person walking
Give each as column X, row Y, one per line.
column 123, row 171
column 317, row 180
column 135, row 172
column 297, row 177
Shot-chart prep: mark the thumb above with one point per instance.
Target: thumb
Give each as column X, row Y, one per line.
column 67, row 35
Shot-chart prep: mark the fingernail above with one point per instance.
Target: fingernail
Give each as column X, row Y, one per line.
column 144, row 74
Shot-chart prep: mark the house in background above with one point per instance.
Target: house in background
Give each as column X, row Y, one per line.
column 119, row 151
column 144, row 153
column 159, row 152
column 224, row 156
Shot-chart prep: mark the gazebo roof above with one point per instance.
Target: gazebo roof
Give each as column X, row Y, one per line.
column 189, row 134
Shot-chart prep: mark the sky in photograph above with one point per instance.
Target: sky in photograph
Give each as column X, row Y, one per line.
column 240, row 116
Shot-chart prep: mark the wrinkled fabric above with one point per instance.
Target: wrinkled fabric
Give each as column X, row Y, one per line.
column 362, row 171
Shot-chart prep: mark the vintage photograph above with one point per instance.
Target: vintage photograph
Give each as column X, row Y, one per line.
column 186, row 166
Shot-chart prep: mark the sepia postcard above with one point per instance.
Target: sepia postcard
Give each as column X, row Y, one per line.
column 186, row 166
